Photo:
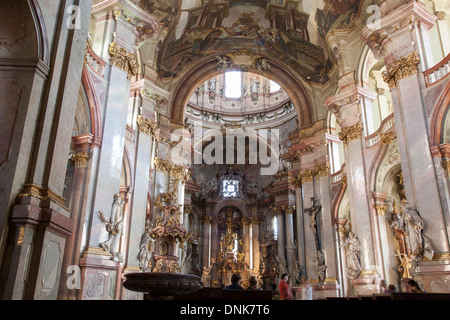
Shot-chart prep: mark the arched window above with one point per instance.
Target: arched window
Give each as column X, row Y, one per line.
column 275, row 227
column 233, row 84
column 274, row 87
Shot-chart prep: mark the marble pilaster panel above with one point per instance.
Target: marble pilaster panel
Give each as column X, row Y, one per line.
column 140, row 195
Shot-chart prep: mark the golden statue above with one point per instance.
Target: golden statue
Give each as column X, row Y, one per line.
column 405, row 264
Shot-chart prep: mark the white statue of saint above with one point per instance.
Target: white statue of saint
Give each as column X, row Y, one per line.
column 114, row 227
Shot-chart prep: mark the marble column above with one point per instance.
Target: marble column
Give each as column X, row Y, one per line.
column 387, row 252
column 82, row 146
column 340, row 230
column 281, row 240
column 256, row 222
column 405, row 51
column 246, row 240
column 300, row 224
column 290, row 246
column 348, row 104
column 206, row 222
column 214, row 246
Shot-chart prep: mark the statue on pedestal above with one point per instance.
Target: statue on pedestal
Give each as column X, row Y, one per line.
column 114, row 227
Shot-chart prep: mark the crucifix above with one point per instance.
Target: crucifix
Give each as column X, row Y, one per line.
column 312, row 212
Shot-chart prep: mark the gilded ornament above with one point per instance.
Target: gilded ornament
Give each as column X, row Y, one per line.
column 147, row 126
column 322, row 169
column 388, row 137
column 403, row 68
column 123, row 59
column 243, row 59
column 351, row 133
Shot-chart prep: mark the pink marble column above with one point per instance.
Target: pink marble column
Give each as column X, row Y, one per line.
column 206, row 222
column 406, row 49
column 347, row 105
column 82, row 147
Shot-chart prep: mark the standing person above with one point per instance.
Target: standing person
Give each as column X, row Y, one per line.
column 235, row 283
column 305, row 292
column 284, row 287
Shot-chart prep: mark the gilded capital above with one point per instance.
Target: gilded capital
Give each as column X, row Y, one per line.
column 402, row 68
column 80, row 159
column 147, row 126
column 306, row 175
column 177, row 172
column 381, row 209
column 322, row 169
column 288, row 209
column 123, row 59
column 351, row 133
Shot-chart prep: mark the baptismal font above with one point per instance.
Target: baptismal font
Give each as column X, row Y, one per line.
column 165, row 279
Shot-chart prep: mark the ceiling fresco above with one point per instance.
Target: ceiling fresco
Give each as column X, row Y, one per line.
column 277, row 30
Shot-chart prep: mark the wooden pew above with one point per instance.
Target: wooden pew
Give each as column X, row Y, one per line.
column 220, row 294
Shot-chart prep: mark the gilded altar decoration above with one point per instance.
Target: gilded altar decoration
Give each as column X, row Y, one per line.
column 80, row 159
column 244, row 60
column 403, row 68
column 405, row 265
column 123, row 59
column 351, row 133
column 167, row 231
column 148, row 127
column 231, row 258
column 320, row 267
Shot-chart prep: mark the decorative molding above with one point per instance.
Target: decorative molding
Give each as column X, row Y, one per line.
column 403, row 68
column 43, row 194
column 158, row 99
column 351, row 133
column 243, row 59
column 123, row 59
column 388, row 137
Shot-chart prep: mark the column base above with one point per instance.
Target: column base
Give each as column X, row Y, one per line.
column 98, row 275
column 367, row 284
column 331, row 288
column 434, row 276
